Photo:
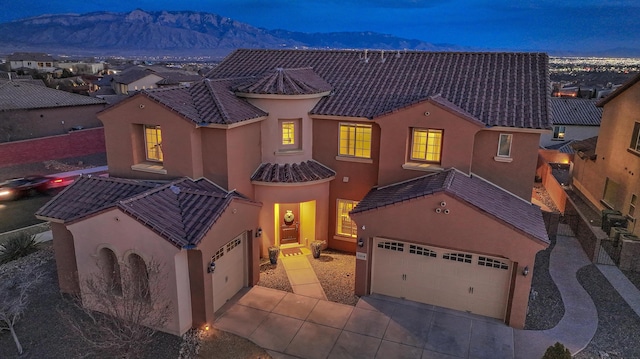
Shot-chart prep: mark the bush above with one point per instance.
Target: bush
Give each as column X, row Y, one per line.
column 557, row 351
column 17, row 248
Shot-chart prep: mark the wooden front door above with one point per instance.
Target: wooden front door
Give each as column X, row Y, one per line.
column 289, row 219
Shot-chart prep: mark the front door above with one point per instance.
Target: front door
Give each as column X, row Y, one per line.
column 289, row 219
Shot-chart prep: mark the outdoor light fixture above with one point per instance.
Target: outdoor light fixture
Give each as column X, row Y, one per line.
column 212, row 267
column 360, row 242
column 525, row 271
column 258, row 232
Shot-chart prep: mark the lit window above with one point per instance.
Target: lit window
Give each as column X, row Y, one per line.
column 632, row 206
column 426, row 145
column 635, row 137
column 345, row 226
column 153, row 140
column 558, row 132
column 355, row 140
column 504, row 145
column 288, row 133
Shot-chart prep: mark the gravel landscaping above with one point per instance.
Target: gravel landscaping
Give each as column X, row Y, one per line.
column 618, row 334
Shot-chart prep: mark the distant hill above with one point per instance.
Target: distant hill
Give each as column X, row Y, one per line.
column 174, row 33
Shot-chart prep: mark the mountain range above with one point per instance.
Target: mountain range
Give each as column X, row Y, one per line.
column 175, row 33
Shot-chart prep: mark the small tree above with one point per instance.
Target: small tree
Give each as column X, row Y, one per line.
column 15, row 288
column 120, row 313
column 557, row 351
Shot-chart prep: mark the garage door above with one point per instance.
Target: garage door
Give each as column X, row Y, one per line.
column 229, row 275
column 452, row 279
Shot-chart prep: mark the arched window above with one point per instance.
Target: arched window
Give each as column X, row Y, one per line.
column 110, row 271
column 139, row 277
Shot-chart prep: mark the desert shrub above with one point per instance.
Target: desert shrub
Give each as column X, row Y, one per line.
column 18, row 247
column 557, row 351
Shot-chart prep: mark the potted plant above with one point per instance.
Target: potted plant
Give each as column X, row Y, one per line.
column 273, row 254
column 316, row 248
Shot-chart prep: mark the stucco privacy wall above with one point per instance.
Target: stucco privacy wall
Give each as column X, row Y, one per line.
column 466, row 228
column 123, row 235
column 66, row 266
column 72, row 144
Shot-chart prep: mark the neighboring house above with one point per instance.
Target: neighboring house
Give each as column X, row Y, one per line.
column 82, row 68
column 573, row 119
column 607, row 168
column 29, row 111
column 40, row 62
column 419, row 160
column 134, row 79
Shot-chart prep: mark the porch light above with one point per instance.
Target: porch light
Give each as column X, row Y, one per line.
column 258, row 232
column 360, row 242
column 212, row 267
column 525, row 271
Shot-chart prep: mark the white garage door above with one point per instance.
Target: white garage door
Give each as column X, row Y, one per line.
column 229, row 275
column 452, row 279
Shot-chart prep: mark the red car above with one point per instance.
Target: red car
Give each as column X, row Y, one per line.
column 21, row 187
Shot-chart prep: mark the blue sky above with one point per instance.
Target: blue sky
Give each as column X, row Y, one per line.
column 525, row 25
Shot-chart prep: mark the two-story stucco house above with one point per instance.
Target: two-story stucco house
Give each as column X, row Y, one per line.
column 420, row 163
column 606, row 168
column 573, row 119
column 38, row 61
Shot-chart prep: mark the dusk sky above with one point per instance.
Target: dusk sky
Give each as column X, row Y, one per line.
column 526, row 25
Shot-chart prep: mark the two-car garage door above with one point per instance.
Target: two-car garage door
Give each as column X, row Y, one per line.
column 453, row 279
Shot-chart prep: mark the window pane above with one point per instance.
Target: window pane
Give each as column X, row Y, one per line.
column 419, row 145
column 344, row 225
column 153, row 140
column 355, row 140
column 288, row 129
column 635, row 137
column 434, row 143
column 504, row 146
column 426, row 145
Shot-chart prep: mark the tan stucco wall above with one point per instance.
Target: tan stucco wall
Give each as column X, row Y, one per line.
column 123, row 235
column 243, row 154
column 517, row 176
column 285, row 109
column 395, row 140
column 66, row 266
column 613, row 158
column 466, row 228
column 270, row 195
column 181, row 143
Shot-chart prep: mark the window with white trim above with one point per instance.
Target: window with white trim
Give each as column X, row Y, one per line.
column 344, row 225
column 635, row 137
column 355, row 140
column 558, row 132
column 632, row 205
column 426, row 145
column 504, row 145
column 153, row 143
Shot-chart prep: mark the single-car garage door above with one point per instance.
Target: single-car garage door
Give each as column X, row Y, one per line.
column 229, row 275
column 452, row 279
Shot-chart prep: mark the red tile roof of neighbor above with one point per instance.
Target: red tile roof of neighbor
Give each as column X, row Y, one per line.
column 181, row 211
column 207, row 102
column 475, row 191
column 499, row 89
column 292, row 173
column 575, row 111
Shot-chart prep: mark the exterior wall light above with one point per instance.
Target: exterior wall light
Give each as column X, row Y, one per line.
column 525, row 271
column 360, row 242
column 258, row 232
column 212, row 267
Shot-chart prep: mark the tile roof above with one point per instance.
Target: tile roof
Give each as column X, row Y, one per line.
column 499, row 89
column 307, row 171
column 181, row 211
column 131, row 75
column 619, row 90
column 206, row 102
column 281, row 81
column 19, row 95
column 562, row 147
column 575, row 111
column 475, row 191
column 586, row 147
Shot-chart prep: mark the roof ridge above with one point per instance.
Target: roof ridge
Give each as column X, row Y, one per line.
column 218, row 102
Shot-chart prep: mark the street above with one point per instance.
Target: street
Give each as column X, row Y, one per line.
column 20, row 213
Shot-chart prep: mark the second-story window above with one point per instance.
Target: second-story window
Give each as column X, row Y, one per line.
column 635, row 137
column 355, row 140
column 504, row 145
column 288, row 133
column 426, row 145
column 558, row 132
column 153, row 141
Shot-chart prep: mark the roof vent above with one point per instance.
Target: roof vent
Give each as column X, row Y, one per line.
column 175, row 189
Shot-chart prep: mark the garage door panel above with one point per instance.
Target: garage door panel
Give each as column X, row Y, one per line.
column 229, row 274
column 452, row 279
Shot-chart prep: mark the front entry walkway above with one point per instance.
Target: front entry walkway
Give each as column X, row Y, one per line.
column 301, row 275
column 291, row 325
